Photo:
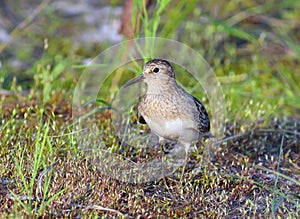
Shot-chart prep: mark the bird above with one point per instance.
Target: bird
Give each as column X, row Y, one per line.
column 170, row 111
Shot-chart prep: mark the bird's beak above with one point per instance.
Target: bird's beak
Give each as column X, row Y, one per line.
column 135, row 80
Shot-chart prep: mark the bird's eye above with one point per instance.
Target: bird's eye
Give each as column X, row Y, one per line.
column 156, row 70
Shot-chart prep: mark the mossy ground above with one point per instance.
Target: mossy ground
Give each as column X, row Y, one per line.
column 254, row 173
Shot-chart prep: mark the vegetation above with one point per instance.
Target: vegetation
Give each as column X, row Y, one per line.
column 254, row 172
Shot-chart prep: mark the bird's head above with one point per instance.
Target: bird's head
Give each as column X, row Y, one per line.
column 155, row 71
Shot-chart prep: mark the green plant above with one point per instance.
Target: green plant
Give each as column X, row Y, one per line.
column 35, row 194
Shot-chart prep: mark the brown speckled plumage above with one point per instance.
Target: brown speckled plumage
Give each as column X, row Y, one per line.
column 167, row 108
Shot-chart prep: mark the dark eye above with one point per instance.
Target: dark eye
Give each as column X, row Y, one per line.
column 156, row 70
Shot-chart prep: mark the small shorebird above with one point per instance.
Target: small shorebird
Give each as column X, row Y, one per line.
column 170, row 111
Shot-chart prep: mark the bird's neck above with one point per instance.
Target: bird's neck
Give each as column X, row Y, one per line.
column 161, row 86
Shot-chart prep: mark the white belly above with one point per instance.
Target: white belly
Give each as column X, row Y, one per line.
column 176, row 130
column 171, row 130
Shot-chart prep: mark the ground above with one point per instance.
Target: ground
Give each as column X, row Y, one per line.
column 253, row 171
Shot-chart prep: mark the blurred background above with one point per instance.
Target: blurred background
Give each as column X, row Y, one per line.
column 252, row 46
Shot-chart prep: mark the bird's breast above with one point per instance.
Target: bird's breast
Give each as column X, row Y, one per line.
column 165, row 116
column 159, row 105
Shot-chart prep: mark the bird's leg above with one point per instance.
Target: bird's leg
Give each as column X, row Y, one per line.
column 161, row 144
column 186, row 147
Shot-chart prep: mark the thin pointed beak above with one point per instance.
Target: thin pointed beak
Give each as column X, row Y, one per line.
column 135, row 80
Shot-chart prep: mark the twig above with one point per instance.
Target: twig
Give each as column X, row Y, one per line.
column 20, row 197
column 10, row 93
column 98, row 207
column 256, row 131
column 237, row 136
column 70, row 133
column 278, row 131
column 40, row 180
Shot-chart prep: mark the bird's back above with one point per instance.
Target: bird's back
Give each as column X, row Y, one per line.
column 194, row 111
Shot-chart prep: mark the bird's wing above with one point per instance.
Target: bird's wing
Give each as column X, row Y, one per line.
column 141, row 119
column 202, row 117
